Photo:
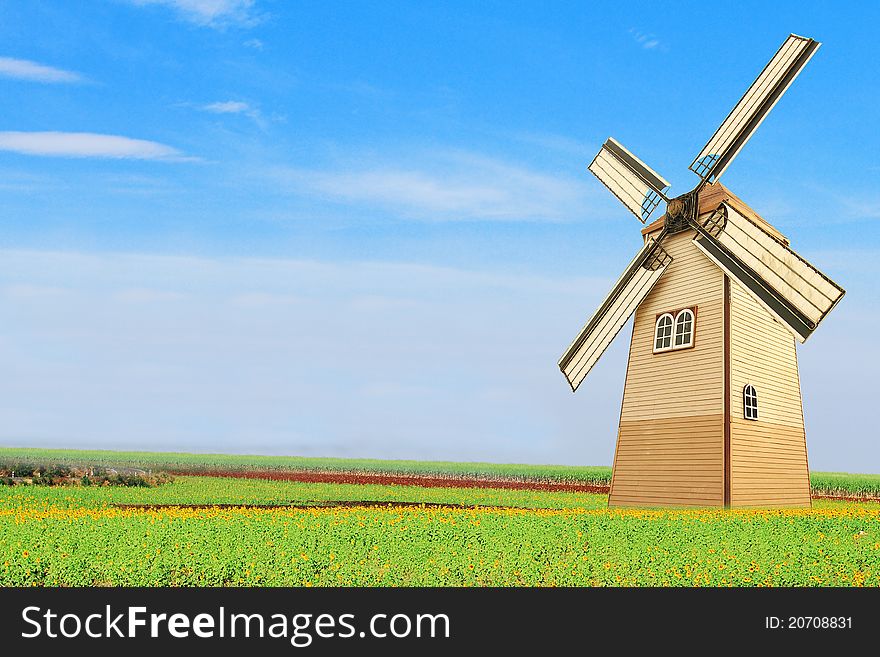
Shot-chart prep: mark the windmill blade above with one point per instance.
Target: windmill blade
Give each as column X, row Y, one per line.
column 757, row 102
column 792, row 289
column 629, row 291
column 638, row 186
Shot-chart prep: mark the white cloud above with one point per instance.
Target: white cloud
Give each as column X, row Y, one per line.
column 256, row 44
column 446, row 187
column 236, row 107
column 23, row 69
column 227, row 107
column 86, row 144
column 646, row 41
column 211, row 13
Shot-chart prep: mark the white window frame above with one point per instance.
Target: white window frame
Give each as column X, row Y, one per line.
column 657, row 332
column 750, row 402
column 673, row 317
column 680, row 315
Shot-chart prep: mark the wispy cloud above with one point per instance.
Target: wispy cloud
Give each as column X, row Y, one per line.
column 87, row 144
column 227, row 107
column 446, row 186
column 256, row 44
column 236, row 107
column 24, row 69
column 211, row 13
column 646, row 40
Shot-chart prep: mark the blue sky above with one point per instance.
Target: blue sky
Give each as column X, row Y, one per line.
column 367, row 229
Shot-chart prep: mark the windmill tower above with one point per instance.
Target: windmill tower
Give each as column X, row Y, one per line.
column 711, row 412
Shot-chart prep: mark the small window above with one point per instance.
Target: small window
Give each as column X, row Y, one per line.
column 684, row 329
column 675, row 330
column 663, row 333
column 750, row 403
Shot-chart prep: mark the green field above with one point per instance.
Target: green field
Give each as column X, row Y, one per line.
column 845, row 484
column 74, row 535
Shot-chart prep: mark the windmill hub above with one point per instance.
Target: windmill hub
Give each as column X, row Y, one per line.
column 681, row 212
column 711, row 412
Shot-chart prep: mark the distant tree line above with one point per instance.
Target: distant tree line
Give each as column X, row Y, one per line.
column 31, row 474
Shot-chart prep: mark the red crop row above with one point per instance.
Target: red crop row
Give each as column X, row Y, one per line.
column 425, row 481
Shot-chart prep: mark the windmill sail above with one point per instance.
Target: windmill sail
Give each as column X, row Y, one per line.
column 629, row 291
column 637, row 186
column 757, row 102
column 792, row 289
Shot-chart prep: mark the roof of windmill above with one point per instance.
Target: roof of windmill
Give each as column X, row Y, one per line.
column 711, row 196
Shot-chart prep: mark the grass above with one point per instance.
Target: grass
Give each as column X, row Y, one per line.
column 75, row 536
column 196, row 490
column 845, row 484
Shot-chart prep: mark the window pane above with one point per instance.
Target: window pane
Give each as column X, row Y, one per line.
column 750, row 403
column 663, row 336
column 684, row 323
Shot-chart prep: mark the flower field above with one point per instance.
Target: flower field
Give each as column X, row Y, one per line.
column 482, row 537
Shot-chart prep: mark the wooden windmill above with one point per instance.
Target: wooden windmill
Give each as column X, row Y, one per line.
column 711, row 412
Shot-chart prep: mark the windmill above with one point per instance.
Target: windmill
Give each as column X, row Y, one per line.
column 711, row 412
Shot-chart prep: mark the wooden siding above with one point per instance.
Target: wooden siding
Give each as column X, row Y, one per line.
column 669, row 461
column 685, row 382
column 670, row 442
column 762, row 352
column 768, row 456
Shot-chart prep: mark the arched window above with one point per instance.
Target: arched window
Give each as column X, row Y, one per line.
column 750, row 402
column 675, row 330
column 684, row 329
column 663, row 333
